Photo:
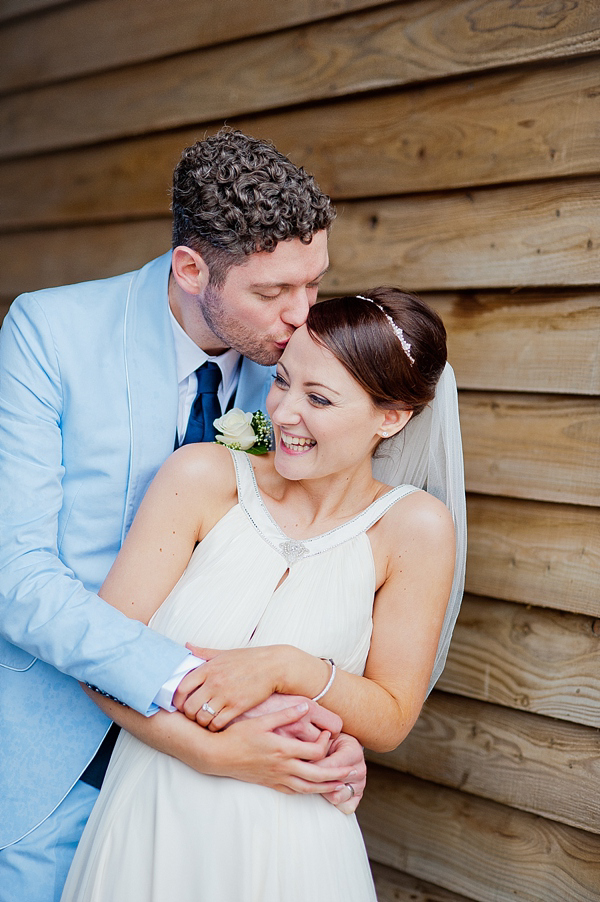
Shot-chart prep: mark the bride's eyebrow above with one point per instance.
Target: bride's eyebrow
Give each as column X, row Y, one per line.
column 322, row 385
column 309, row 384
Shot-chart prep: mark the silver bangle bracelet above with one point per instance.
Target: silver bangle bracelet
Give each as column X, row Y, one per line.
column 330, row 681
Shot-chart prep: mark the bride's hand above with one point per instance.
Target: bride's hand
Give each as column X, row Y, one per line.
column 228, row 684
column 346, row 750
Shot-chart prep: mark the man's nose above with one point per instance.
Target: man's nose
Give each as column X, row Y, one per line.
column 296, row 311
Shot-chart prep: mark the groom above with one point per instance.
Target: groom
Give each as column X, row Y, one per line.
column 98, row 382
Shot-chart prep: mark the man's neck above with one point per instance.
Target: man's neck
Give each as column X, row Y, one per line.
column 188, row 315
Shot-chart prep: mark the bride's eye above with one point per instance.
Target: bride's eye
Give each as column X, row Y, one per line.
column 318, row 401
column 279, row 381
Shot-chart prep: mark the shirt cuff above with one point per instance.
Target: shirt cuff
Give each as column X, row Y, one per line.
column 164, row 696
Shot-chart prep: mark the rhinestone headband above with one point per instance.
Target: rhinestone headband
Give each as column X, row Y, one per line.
column 406, row 347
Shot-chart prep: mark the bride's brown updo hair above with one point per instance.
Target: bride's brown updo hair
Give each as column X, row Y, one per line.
column 398, row 369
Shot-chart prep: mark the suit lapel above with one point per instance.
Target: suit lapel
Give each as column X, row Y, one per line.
column 151, row 378
column 253, row 386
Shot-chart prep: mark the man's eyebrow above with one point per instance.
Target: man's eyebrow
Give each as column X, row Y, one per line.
column 286, row 284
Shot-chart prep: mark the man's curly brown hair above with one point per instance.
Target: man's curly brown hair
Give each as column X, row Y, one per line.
column 234, row 195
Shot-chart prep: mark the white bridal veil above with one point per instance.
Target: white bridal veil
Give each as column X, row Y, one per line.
column 428, row 453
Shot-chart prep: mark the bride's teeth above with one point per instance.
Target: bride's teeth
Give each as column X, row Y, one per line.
column 293, row 441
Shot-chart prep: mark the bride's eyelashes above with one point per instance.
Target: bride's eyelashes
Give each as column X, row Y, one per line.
column 279, row 381
column 315, row 400
column 318, row 401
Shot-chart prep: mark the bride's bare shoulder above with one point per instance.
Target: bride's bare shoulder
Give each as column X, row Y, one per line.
column 421, row 516
column 202, row 467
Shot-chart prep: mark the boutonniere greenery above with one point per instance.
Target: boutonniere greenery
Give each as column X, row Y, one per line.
column 242, row 431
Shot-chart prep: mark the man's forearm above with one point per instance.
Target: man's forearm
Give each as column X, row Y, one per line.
column 250, row 750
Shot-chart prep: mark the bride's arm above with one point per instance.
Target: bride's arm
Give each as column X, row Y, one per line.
column 193, row 489
column 250, row 750
column 415, row 550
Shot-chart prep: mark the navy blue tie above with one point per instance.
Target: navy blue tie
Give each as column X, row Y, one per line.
column 206, row 407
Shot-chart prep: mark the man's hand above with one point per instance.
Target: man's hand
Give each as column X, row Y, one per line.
column 346, row 751
column 308, row 727
column 254, row 750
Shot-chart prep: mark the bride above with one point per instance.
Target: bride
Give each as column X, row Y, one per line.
column 306, row 575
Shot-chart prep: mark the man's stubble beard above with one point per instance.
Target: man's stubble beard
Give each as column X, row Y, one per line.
column 233, row 333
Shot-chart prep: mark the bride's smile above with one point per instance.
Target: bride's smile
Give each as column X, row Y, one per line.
column 295, row 443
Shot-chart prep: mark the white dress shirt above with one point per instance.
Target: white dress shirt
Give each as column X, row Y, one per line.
column 188, row 358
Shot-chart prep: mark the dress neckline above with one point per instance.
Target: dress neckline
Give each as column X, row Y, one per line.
column 253, row 505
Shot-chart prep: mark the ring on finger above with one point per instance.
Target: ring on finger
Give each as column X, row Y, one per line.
column 206, row 707
column 352, row 790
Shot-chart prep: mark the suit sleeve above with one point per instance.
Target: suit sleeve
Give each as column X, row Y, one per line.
column 44, row 609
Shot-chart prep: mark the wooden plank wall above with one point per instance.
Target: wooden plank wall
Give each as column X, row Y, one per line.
column 460, row 140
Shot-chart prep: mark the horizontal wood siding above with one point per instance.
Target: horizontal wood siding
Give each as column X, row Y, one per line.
column 51, row 48
column 526, row 658
column 538, row 554
column 512, row 127
column 459, row 140
column 486, row 851
column 511, row 756
column 393, row 45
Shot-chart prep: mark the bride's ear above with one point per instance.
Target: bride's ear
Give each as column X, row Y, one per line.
column 393, row 422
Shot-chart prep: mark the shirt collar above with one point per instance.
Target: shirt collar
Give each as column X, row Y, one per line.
column 189, row 356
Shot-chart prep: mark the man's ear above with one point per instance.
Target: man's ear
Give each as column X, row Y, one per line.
column 394, row 421
column 189, row 270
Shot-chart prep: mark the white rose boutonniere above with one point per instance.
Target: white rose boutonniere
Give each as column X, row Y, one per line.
column 242, row 431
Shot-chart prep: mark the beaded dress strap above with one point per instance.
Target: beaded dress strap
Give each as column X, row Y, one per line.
column 294, row 550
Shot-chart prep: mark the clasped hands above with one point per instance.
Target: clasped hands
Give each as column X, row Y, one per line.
column 244, row 684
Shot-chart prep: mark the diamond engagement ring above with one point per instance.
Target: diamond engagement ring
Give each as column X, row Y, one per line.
column 206, row 707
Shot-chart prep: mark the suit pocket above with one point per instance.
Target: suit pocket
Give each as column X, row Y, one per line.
column 14, row 658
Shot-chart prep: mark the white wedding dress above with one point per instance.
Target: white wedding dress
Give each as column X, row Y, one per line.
column 160, row 831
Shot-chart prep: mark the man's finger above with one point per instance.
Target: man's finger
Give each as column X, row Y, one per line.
column 324, row 719
column 318, row 779
column 302, row 729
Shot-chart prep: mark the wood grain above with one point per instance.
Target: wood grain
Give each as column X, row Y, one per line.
column 475, row 847
column 54, row 47
column 535, row 553
column 529, row 762
column 392, row 45
column 509, row 127
column 11, row 9
column 32, row 260
column 526, row 341
column 112, row 182
column 541, row 447
column 392, row 886
column 521, row 125
column 500, row 237
column 545, row 233
column 541, row 661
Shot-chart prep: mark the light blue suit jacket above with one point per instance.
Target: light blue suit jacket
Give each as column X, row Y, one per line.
column 88, row 409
